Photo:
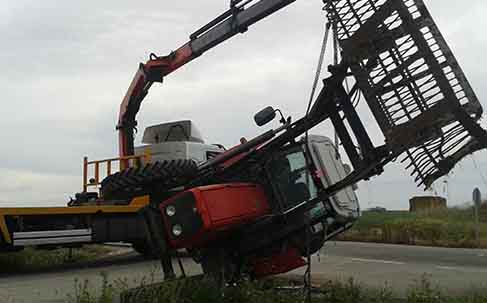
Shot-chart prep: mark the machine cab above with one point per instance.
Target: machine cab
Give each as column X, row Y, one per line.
column 330, row 170
column 176, row 140
column 297, row 178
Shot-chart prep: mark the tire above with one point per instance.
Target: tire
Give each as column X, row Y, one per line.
column 135, row 181
column 217, row 265
column 316, row 241
column 143, row 248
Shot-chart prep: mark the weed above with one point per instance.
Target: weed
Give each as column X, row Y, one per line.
column 31, row 259
column 202, row 290
column 424, row 292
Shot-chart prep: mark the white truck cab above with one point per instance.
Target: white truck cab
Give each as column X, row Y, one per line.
column 176, row 140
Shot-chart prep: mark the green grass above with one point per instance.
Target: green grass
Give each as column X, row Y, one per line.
column 200, row 290
column 30, row 259
column 440, row 227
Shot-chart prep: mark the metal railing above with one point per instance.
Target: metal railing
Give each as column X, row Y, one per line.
column 107, row 165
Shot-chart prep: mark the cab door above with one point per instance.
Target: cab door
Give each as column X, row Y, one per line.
column 332, row 170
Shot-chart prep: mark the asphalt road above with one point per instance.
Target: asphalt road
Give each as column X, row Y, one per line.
column 454, row 270
column 401, row 267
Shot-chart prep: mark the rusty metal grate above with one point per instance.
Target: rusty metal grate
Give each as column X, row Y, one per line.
column 411, row 81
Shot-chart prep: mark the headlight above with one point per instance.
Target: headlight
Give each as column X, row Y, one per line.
column 177, row 230
column 170, row 210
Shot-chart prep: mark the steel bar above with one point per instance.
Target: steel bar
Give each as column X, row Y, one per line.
column 411, row 81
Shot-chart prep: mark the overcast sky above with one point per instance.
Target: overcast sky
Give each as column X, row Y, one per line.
column 66, row 66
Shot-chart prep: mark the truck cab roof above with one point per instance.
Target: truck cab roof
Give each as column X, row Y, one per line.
column 184, row 130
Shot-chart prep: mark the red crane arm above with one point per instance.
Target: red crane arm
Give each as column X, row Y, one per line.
column 234, row 21
column 154, row 70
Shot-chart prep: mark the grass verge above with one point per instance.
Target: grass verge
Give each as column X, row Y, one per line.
column 31, row 260
column 440, row 227
column 200, row 290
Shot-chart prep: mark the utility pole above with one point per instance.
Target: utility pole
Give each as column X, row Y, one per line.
column 477, row 201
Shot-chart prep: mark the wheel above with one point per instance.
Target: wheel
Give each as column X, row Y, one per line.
column 316, row 241
column 144, row 248
column 136, row 181
column 219, row 266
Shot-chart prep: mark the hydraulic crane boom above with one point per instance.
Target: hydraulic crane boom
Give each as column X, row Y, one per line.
column 236, row 20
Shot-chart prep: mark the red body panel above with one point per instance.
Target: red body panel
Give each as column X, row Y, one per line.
column 221, row 208
column 278, row 264
column 237, row 157
column 228, row 205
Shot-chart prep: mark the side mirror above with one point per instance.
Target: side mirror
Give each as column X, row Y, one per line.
column 265, row 116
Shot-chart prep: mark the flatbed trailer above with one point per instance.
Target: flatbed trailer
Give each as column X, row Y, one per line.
column 70, row 226
column 89, row 222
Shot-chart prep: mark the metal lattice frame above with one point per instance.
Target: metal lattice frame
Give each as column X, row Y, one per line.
column 411, row 81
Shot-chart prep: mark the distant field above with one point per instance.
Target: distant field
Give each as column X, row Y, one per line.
column 442, row 227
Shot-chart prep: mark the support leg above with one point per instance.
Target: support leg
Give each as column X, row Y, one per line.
column 155, row 236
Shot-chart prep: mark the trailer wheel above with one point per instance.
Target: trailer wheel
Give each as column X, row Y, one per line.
column 136, row 181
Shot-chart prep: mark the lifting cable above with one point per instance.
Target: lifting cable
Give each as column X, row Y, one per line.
column 307, row 275
column 319, row 68
column 335, row 62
